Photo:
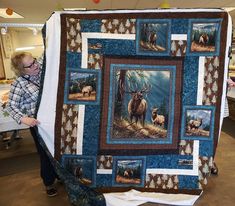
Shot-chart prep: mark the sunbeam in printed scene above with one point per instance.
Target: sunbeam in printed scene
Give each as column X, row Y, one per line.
column 141, row 103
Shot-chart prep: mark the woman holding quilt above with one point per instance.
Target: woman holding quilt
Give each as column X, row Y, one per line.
column 21, row 106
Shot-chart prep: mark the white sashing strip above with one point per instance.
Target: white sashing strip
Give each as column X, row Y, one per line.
column 80, row 128
column 85, row 37
column 200, row 85
column 182, row 37
column 141, row 11
column 50, row 85
column 104, row 171
column 188, row 172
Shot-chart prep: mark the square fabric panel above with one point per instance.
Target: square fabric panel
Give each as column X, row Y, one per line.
column 135, row 99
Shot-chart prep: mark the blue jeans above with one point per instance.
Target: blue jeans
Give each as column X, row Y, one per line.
column 47, row 171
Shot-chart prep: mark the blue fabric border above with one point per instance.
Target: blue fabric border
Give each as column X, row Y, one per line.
column 91, row 130
column 189, row 96
column 206, row 148
column 179, row 26
column 90, row 25
column 188, row 182
column 103, row 180
column 167, row 161
column 122, row 47
column 170, row 68
column 73, row 60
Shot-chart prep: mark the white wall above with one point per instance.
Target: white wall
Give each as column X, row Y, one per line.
column 22, row 38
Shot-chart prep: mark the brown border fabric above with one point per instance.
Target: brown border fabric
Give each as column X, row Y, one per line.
column 168, row 191
column 136, row 149
column 163, row 15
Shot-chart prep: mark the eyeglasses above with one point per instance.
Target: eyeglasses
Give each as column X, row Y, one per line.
column 34, row 62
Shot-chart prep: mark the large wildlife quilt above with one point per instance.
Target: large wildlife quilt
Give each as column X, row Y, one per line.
column 135, row 98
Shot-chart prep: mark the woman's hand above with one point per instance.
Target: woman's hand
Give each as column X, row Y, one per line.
column 29, row 121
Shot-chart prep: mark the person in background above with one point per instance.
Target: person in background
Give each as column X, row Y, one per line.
column 21, row 106
column 230, row 84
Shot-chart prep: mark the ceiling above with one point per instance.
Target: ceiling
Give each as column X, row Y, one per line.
column 37, row 12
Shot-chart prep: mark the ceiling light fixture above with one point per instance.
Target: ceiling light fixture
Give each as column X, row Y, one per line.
column 25, row 48
column 20, row 25
column 9, row 11
column 96, row 1
column 165, row 4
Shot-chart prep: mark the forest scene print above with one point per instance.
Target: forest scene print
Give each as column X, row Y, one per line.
column 204, row 37
column 141, row 102
column 153, row 36
column 129, row 172
column 198, row 123
column 82, row 86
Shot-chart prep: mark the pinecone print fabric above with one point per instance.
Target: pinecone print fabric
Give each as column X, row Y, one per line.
column 161, row 181
column 69, row 129
column 210, row 89
column 118, row 26
column 178, row 47
column 205, row 165
column 104, row 162
column 74, row 38
column 186, row 147
column 95, row 61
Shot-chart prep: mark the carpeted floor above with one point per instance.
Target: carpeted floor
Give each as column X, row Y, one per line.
column 19, row 164
column 17, row 147
column 229, row 127
column 20, row 156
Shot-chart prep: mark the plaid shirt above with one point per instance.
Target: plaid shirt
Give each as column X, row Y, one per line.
column 23, row 97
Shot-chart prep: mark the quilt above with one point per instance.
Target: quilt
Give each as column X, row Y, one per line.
column 135, row 98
